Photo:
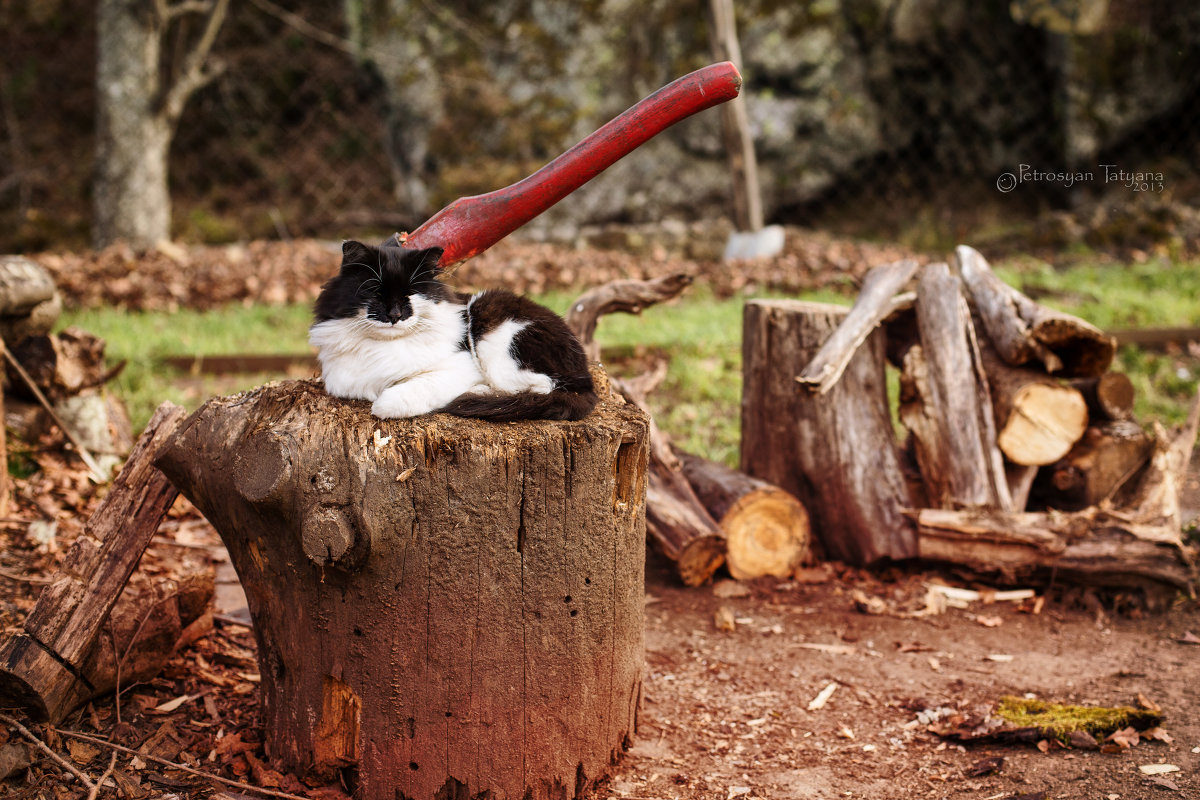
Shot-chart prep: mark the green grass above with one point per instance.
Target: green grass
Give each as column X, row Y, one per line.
column 698, row 403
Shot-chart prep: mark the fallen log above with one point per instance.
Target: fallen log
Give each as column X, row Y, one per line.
column 767, row 530
column 835, row 452
column 945, row 404
column 441, row 605
column 1022, row 330
column 1038, row 419
column 42, row 669
column 1154, row 493
column 1089, row 546
column 877, row 300
column 678, row 523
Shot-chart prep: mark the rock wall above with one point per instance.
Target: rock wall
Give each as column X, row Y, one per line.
column 840, row 92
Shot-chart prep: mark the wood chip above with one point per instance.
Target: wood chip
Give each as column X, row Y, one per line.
column 823, row 696
column 1157, row 769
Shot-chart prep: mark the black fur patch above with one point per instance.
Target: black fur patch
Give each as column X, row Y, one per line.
column 382, row 280
column 546, row 345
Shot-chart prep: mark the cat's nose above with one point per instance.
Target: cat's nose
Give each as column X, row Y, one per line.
column 399, row 312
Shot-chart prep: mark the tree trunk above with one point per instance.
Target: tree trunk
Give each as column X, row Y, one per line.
column 137, row 110
column 443, row 607
column 133, row 137
column 767, row 531
column 835, row 452
column 944, row 402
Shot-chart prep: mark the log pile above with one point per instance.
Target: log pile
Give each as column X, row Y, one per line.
column 1018, row 451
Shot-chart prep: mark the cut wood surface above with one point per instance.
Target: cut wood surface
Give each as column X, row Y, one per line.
column 1022, row 330
column 834, row 452
column 444, row 606
column 41, row 669
column 767, row 530
column 876, row 301
column 1038, row 419
column 23, row 285
column 1108, row 396
column 946, row 406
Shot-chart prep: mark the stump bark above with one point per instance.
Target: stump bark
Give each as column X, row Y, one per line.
column 836, row 451
column 443, row 607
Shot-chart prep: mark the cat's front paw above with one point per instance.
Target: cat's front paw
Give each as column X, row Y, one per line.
column 396, row 406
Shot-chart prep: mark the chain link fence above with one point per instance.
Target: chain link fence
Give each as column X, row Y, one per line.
column 870, row 118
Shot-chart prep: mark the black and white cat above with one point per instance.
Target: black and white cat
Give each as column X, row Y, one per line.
column 388, row 330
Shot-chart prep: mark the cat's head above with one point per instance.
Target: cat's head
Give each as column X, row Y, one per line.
column 389, row 288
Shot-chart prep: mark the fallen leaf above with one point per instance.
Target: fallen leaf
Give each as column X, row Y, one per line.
column 1157, row 769
column 1188, row 638
column 866, row 604
column 1147, row 703
column 1157, row 734
column 405, row 475
column 82, row 753
column 1083, row 740
column 985, row 766
column 13, row 758
column 845, row 733
column 172, row 705
column 989, row 622
column 1166, row 783
column 1043, row 745
column 1126, row 737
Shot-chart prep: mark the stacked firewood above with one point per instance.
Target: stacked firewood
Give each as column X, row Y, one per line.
column 1018, row 453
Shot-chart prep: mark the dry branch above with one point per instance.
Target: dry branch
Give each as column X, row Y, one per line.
column 1022, row 330
column 628, row 296
column 678, row 524
column 876, row 302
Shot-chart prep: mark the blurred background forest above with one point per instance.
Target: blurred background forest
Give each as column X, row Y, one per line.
column 887, row 119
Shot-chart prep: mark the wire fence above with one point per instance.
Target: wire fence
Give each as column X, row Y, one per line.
column 866, row 121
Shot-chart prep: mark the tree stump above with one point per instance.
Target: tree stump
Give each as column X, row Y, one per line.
column 836, row 452
column 443, row 607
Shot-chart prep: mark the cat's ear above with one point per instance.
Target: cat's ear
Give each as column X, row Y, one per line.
column 355, row 253
column 431, row 258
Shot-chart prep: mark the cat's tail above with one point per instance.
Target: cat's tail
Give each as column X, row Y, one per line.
column 558, row 404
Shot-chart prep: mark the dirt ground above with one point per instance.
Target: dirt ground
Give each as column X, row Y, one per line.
column 726, row 712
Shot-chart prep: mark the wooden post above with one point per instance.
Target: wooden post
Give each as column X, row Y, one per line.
column 836, row 452
column 443, row 607
column 44, row 668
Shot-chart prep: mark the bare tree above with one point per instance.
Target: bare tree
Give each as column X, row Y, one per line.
column 139, row 101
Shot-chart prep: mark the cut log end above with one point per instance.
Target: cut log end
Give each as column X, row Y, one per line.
column 767, row 533
column 1045, row 422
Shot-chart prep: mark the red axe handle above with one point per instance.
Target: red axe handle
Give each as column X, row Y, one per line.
column 470, row 225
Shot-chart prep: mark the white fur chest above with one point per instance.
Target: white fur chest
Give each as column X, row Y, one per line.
column 360, row 357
